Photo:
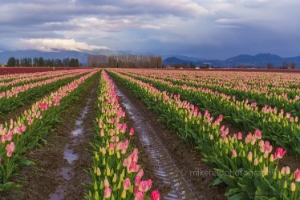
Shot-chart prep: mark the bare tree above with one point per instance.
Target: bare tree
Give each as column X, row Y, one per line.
column 270, row 66
column 292, row 65
column 285, row 65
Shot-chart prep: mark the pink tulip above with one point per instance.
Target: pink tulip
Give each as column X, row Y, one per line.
column 279, row 153
column 248, row 138
column 140, row 173
column 255, row 162
column 268, row 147
column 144, row 186
column 234, row 154
column 10, row 148
column 297, row 176
column 131, row 132
column 133, row 167
column 125, row 162
column 139, row 196
column 240, row 136
column 257, row 134
column 155, row 195
column 127, row 184
column 137, row 181
column 107, row 192
column 102, row 133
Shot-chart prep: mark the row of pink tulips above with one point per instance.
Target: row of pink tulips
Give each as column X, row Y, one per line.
column 249, row 168
column 247, row 115
column 35, row 76
column 14, row 91
column 31, row 127
column 116, row 173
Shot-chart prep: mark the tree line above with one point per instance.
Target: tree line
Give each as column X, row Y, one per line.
column 41, row 62
column 284, row 65
column 125, row 61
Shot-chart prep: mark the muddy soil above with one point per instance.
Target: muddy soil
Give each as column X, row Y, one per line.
column 187, row 159
column 59, row 171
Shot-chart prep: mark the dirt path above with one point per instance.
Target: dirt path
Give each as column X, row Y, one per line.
column 59, row 172
column 175, row 168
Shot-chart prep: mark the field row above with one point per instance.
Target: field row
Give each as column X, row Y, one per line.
column 248, row 164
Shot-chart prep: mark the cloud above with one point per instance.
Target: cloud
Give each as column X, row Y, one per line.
column 214, row 28
column 52, row 44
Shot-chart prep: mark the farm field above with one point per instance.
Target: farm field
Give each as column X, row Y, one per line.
column 149, row 134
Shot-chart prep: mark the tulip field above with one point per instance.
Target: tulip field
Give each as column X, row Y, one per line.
column 264, row 107
column 243, row 125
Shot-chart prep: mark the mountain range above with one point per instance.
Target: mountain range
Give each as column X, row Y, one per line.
column 259, row 60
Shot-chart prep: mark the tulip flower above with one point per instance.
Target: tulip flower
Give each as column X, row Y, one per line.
column 240, row 136
column 107, row 192
column 279, row 153
column 234, row 154
column 257, row 134
column 155, row 195
column 139, row 196
column 265, row 171
column 297, row 176
column 255, row 162
column 293, row 187
column 131, row 132
column 126, row 184
column 250, row 156
column 10, row 148
column 140, row 173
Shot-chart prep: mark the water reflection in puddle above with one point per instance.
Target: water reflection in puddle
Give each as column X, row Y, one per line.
column 69, row 155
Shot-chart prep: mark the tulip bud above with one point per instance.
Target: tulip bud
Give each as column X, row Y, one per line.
column 293, row 187
column 266, row 154
column 255, row 162
column 285, row 184
column 95, row 186
column 274, row 176
column 279, row 175
column 96, row 195
column 250, row 156
column 271, row 158
column 287, row 170
column 234, row 154
column 106, row 183
column 283, row 171
column 98, row 171
column 123, row 196
column 114, row 178
column 265, row 171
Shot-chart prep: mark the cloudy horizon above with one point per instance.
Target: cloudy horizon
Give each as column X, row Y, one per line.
column 211, row 29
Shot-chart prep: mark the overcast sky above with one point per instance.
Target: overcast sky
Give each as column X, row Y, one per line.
column 211, row 29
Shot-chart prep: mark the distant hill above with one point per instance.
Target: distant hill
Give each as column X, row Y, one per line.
column 174, row 60
column 259, row 60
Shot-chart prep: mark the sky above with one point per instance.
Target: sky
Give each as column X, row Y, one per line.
column 211, row 29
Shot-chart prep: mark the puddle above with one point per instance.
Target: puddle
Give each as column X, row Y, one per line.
column 66, row 173
column 78, row 122
column 165, row 168
column 58, row 195
column 70, row 156
column 77, row 131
